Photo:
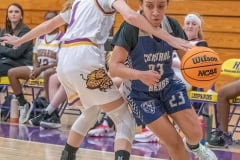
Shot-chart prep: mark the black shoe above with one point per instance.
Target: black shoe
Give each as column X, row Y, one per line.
column 67, row 156
column 219, row 139
column 36, row 121
column 51, row 122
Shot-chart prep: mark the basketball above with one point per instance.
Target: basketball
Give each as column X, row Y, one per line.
column 201, row 66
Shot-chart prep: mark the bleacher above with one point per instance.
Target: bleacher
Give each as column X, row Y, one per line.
column 221, row 19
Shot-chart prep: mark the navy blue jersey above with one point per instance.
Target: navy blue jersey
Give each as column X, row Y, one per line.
column 169, row 95
column 151, row 54
column 146, row 53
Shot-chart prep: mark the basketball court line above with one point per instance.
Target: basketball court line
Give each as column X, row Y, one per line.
column 13, row 149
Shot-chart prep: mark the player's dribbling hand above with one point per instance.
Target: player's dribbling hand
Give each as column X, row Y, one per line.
column 150, row 77
column 179, row 43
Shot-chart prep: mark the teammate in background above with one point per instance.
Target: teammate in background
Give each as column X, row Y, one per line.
column 45, row 50
column 154, row 91
column 221, row 137
column 193, row 30
column 49, row 118
column 193, row 27
column 81, row 68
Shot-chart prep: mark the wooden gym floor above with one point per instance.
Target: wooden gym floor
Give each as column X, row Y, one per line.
column 27, row 142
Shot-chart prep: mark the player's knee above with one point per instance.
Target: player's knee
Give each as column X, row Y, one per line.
column 124, row 122
column 86, row 120
column 11, row 73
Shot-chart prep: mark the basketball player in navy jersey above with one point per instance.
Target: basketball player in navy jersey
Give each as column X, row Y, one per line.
column 153, row 91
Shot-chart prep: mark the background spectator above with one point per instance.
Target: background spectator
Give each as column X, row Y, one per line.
column 45, row 60
column 10, row 57
column 221, row 137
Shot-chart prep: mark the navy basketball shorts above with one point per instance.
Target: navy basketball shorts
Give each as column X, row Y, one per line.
column 149, row 106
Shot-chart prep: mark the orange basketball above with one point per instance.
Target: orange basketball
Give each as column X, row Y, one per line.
column 201, row 66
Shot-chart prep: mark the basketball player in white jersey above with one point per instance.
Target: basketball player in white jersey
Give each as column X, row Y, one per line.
column 81, row 67
column 45, row 50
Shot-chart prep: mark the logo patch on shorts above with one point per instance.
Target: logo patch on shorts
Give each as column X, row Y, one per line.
column 98, row 79
column 148, row 107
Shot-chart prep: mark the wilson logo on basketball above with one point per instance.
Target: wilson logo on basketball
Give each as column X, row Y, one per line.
column 204, row 59
column 209, row 72
column 201, row 66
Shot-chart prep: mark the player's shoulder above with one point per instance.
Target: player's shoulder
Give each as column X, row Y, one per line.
column 129, row 26
column 173, row 22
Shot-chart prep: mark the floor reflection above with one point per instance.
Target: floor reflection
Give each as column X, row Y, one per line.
column 59, row 137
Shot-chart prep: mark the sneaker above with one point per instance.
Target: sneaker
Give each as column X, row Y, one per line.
column 67, row 156
column 102, row 131
column 202, row 152
column 25, row 112
column 52, row 122
column 36, row 120
column 146, row 136
column 220, row 139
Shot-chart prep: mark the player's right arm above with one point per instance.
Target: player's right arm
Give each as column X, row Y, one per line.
column 119, row 69
column 124, row 41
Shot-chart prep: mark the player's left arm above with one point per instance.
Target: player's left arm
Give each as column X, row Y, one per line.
column 133, row 18
column 43, row 28
column 45, row 67
column 38, row 70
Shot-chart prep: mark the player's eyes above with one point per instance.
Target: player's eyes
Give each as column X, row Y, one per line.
column 161, row 7
column 149, row 6
column 13, row 11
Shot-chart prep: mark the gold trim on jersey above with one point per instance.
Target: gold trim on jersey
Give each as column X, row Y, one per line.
column 47, row 53
column 78, row 44
column 49, row 45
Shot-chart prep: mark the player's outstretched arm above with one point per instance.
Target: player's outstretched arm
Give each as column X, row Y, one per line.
column 139, row 21
column 41, row 29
